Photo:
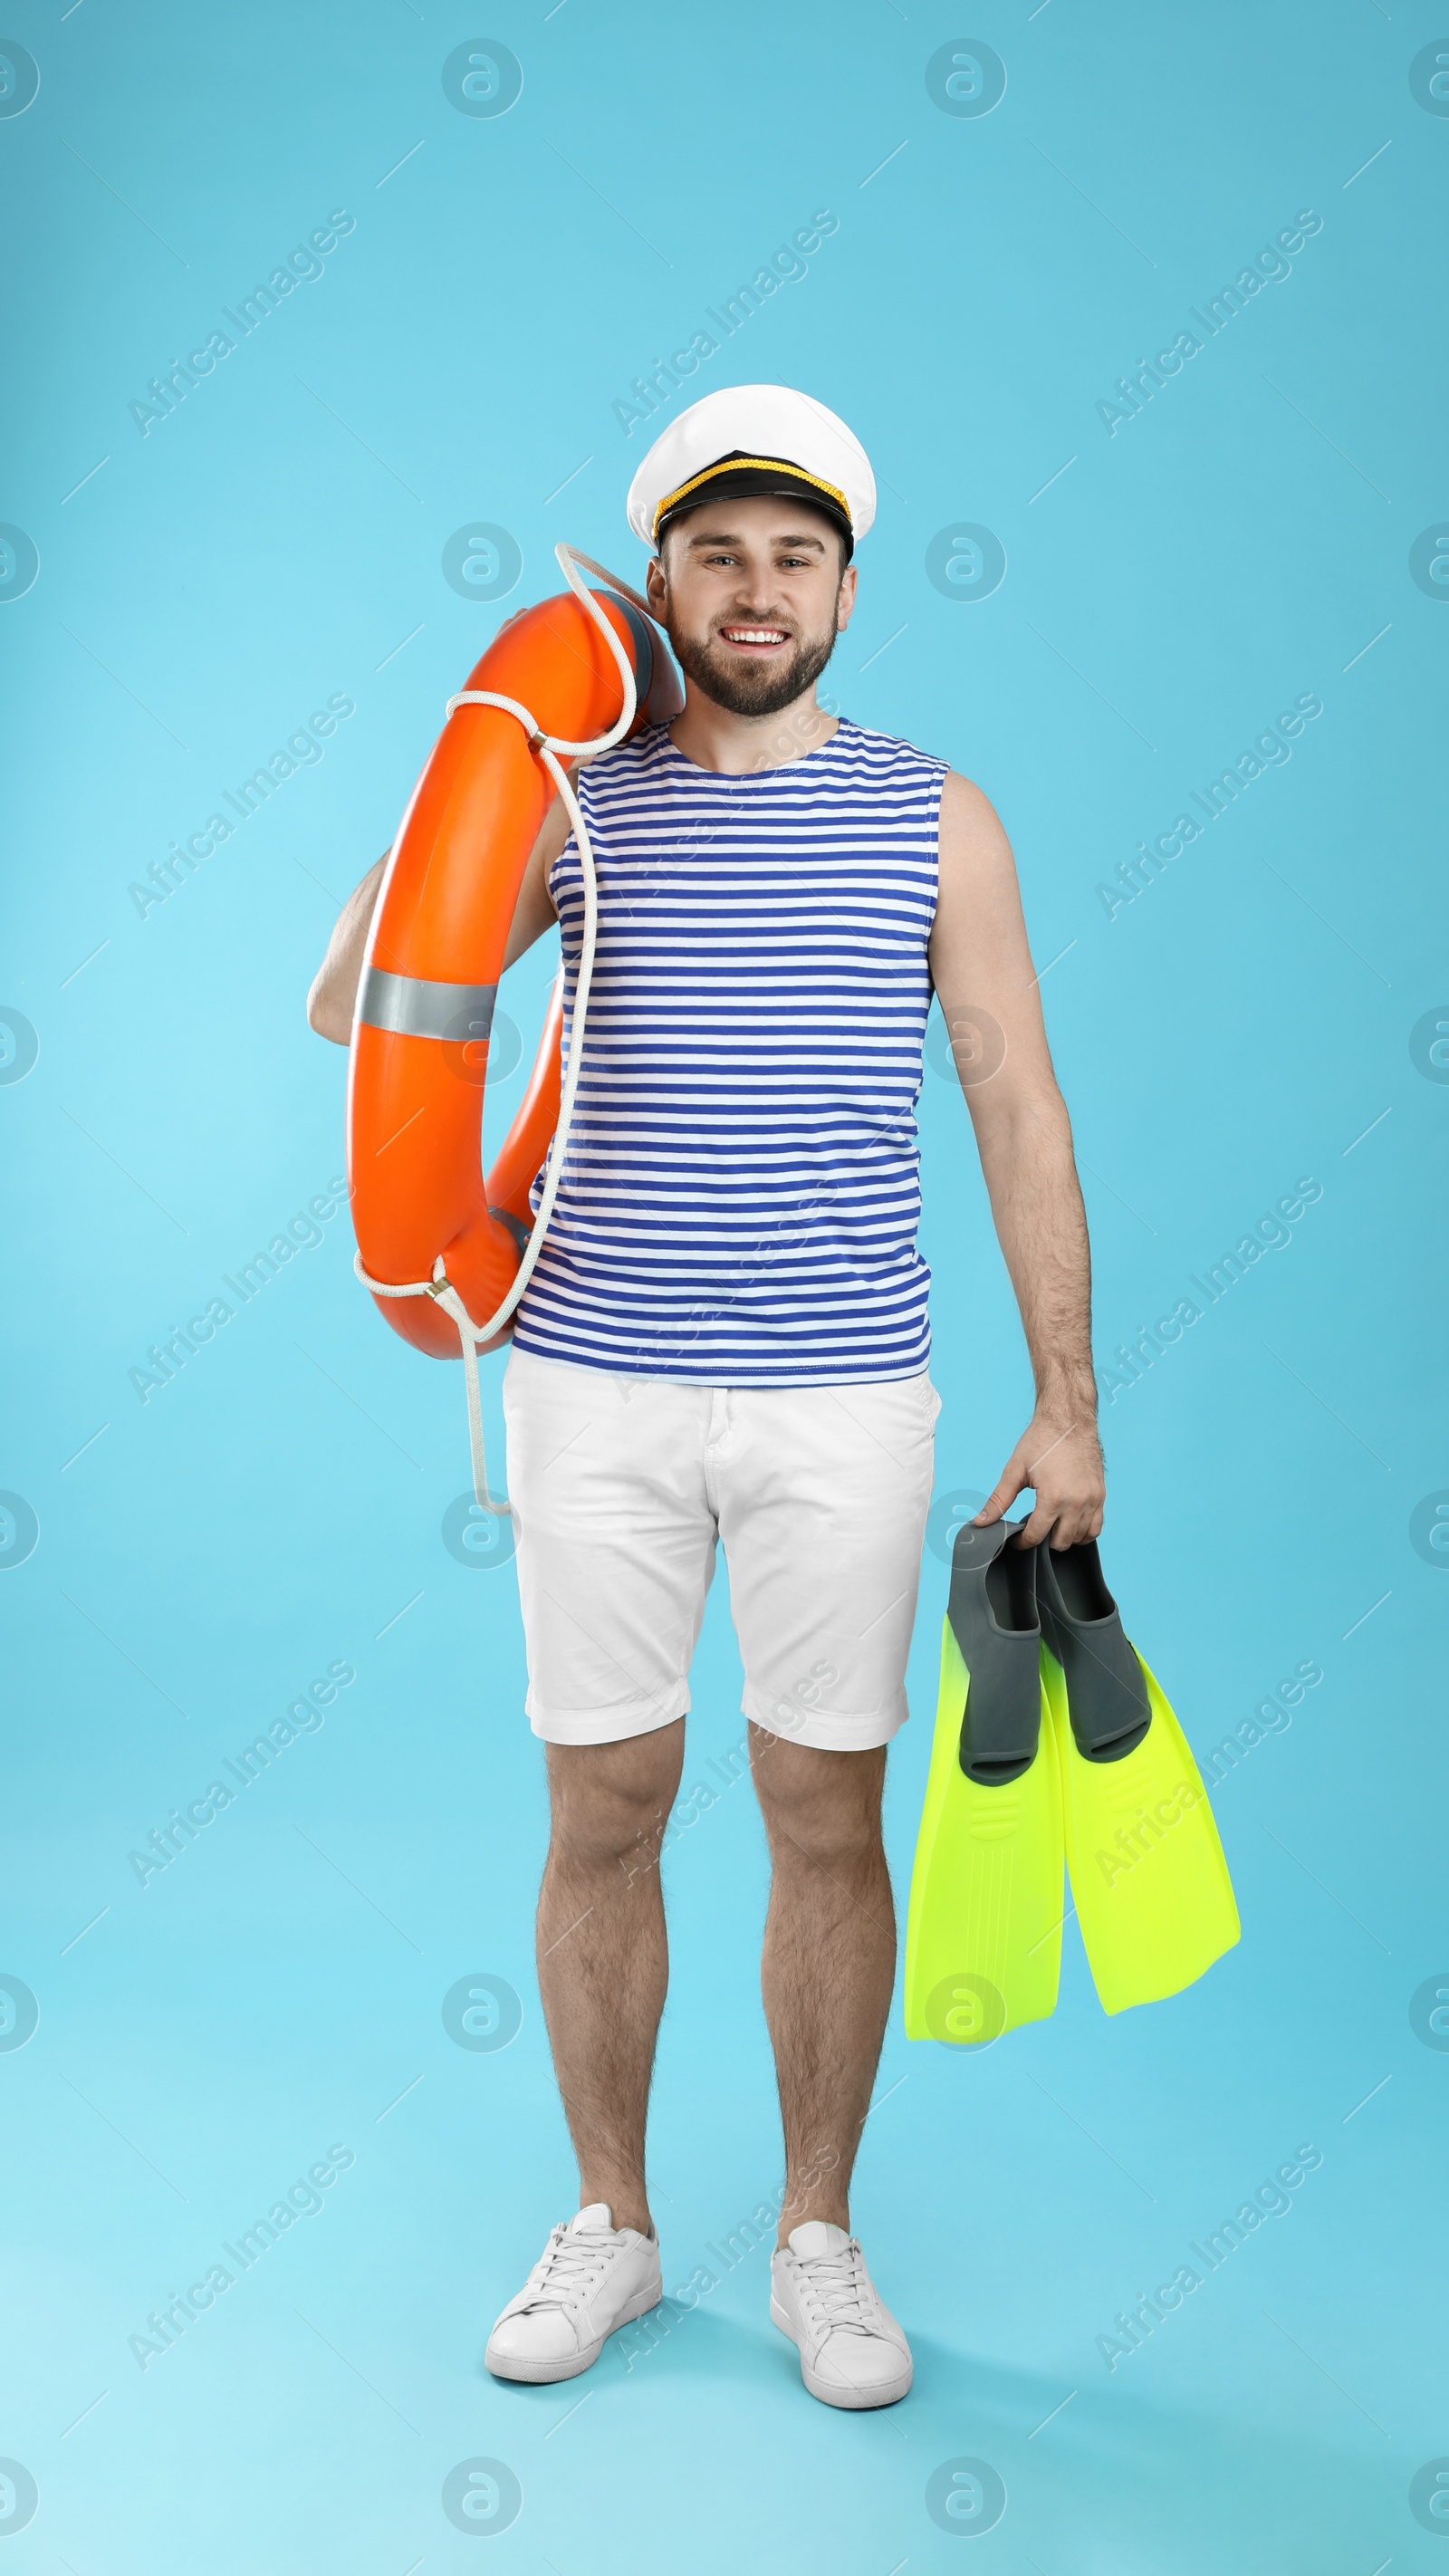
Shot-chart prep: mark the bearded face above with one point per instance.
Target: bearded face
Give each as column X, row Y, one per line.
column 753, row 624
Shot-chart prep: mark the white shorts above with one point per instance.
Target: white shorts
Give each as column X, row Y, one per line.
column 621, row 1489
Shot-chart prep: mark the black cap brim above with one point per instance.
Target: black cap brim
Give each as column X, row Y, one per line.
column 757, row 482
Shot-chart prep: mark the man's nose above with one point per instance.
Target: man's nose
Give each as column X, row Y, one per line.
column 755, row 598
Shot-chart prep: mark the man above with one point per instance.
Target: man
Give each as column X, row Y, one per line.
column 726, row 1336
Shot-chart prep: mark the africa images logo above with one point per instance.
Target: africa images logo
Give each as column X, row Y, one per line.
column 301, row 267
column 786, row 266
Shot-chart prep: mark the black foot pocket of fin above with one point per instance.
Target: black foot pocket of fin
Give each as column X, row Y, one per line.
column 1081, row 1624
column 993, row 1615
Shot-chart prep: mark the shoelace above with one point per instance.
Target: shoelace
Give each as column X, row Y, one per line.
column 837, row 2288
column 568, row 2261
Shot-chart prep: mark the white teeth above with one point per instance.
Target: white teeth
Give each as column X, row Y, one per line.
column 755, row 634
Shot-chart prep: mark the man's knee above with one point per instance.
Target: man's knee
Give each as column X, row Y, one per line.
column 611, row 1802
column 824, row 1807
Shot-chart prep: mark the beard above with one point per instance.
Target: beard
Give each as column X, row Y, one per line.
column 743, row 689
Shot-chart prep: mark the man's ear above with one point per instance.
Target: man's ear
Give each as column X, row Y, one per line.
column 656, row 588
column 845, row 599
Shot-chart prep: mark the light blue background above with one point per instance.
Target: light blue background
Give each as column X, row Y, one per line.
column 1244, row 1022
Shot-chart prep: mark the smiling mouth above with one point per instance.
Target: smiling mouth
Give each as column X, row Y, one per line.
column 754, row 639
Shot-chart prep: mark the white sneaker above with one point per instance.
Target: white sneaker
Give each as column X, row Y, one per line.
column 852, row 2352
column 591, row 2277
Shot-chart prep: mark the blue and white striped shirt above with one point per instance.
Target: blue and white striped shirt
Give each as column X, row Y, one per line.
column 741, row 1188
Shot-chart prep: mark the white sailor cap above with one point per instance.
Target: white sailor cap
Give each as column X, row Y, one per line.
column 748, row 440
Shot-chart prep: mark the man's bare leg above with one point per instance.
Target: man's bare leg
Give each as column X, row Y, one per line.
column 603, row 1956
column 829, row 1959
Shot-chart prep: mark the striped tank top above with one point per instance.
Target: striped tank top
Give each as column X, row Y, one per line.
column 741, row 1188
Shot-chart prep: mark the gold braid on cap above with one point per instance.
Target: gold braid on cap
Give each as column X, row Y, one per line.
column 743, row 464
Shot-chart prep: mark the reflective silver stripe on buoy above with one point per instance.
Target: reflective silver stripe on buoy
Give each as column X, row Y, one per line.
column 413, row 1006
column 515, row 1225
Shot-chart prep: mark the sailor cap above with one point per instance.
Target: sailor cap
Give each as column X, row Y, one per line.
column 749, row 440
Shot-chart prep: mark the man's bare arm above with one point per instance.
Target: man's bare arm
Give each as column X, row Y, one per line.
column 333, row 997
column 982, row 969
column 334, row 986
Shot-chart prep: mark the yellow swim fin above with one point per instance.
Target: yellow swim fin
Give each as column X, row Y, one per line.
column 984, row 1929
column 1152, row 1890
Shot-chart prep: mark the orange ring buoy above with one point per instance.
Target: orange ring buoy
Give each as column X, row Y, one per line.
column 418, row 1063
